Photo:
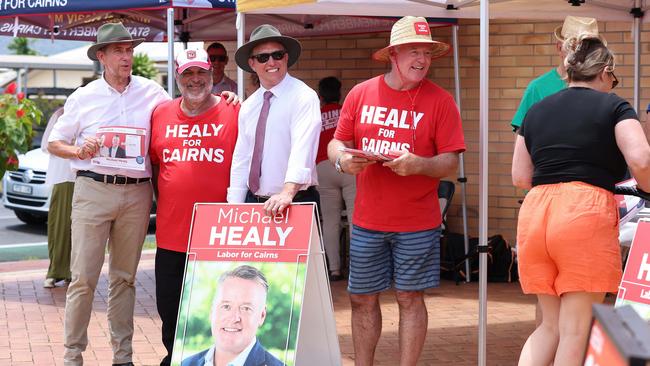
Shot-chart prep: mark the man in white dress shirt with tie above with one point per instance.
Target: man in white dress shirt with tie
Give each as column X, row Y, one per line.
column 108, row 203
column 279, row 127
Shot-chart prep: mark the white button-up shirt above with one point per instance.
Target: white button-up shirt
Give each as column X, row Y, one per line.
column 290, row 141
column 100, row 105
column 58, row 169
column 237, row 361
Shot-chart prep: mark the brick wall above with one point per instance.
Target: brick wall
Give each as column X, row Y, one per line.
column 519, row 51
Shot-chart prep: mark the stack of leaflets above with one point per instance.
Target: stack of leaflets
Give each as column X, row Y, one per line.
column 370, row 155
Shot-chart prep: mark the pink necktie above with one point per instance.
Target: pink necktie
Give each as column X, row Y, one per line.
column 256, row 160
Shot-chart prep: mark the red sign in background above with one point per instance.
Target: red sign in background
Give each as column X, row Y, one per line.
column 243, row 232
column 601, row 350
column 635, row 285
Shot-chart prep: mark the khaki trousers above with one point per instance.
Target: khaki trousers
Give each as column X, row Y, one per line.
column 118, row 214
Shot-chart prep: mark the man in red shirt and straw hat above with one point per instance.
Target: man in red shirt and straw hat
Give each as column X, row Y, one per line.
column 414, row 128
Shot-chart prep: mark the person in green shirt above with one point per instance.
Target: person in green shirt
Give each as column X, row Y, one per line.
column 554, row 80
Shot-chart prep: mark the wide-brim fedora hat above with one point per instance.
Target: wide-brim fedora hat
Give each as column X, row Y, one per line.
column 262, row 34
column 409, row 30
column 110, row 33
column 576, row 26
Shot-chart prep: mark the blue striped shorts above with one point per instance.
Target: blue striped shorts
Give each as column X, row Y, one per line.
column 377, row 258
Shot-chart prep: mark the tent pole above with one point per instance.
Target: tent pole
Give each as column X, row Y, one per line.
column 461, row 166
column 483, row 177
column 637, row 58
column 170, row 51
column 240, row 24
column 19, row 79
column 25, row 80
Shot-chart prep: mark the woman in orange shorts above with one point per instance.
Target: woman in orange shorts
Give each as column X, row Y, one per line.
column 573, row 146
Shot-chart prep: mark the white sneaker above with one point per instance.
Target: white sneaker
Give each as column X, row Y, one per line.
column 49, row 283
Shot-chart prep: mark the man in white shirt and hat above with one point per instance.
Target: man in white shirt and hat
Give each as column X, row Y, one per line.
column 279, row 125
column 110, row 205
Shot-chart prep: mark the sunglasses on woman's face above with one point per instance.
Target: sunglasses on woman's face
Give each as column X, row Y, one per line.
column 615, row 81
column 264, row 57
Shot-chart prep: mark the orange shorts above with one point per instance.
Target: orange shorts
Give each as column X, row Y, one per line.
column 567, row 240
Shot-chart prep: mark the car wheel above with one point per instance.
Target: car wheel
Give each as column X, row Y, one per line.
column 30, row 218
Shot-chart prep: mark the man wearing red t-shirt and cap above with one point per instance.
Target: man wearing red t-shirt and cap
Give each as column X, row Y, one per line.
column 192, row 141
column 396, row 221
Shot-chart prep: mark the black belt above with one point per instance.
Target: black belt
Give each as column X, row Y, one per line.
column 111, row 179
column 299, row 195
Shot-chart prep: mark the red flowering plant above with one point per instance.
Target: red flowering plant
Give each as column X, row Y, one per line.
column 17, row 116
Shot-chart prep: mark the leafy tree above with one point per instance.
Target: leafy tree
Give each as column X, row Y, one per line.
column 17, row 116
column 143, row 66
column 20, row 46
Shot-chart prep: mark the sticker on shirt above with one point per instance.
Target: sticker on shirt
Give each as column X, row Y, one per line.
column 120, row 147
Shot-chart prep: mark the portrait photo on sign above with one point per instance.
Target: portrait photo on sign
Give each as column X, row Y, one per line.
column 111, row 145
column 239, row 312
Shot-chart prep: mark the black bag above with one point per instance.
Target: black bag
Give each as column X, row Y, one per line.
column 502, row 259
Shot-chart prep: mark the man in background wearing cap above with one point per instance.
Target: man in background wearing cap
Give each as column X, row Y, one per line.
column 554, row 80
column 396, row 221
column 192, row 142
column 109, row 203
column 219, row 59
column 279, row 126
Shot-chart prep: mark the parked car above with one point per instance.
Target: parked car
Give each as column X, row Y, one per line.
column 25, row 190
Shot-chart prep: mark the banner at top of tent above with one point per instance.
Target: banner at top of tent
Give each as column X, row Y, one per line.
column 247, row 5
column 25, row 7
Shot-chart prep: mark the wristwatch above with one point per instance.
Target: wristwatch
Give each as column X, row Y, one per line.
column 337, row 165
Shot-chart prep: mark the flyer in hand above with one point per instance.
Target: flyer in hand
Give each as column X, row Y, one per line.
column 370, row 155
column 121, row 147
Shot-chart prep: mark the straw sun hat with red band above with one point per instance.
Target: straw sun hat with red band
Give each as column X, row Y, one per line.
column 409, row 30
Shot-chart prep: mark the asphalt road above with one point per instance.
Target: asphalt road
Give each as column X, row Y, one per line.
column 19, row 241
column 15, row 232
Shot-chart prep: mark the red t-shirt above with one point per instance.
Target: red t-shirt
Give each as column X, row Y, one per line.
column 378, row 118
column 194, row 155
column 330, row 117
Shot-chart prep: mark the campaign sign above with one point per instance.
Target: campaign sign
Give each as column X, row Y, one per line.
column 628, row 206
column 635, row 286
column 601, row 349
column 121, row 147
column 255, row 289
column 619, row 337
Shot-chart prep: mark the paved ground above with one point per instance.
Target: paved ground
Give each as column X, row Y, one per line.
column 31, row 319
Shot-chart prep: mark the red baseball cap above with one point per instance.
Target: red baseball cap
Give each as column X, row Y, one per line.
column 189, row 58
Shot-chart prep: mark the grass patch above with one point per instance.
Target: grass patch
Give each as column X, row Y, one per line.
column 149, row 242
column 23, row 254
column 40, row 251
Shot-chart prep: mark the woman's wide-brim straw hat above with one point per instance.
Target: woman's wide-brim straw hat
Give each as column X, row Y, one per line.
column 576, row 26
column 110, row 33
column 409, row 30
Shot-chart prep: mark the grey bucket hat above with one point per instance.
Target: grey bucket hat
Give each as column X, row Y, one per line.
column 111, row 33
column 266, row 33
